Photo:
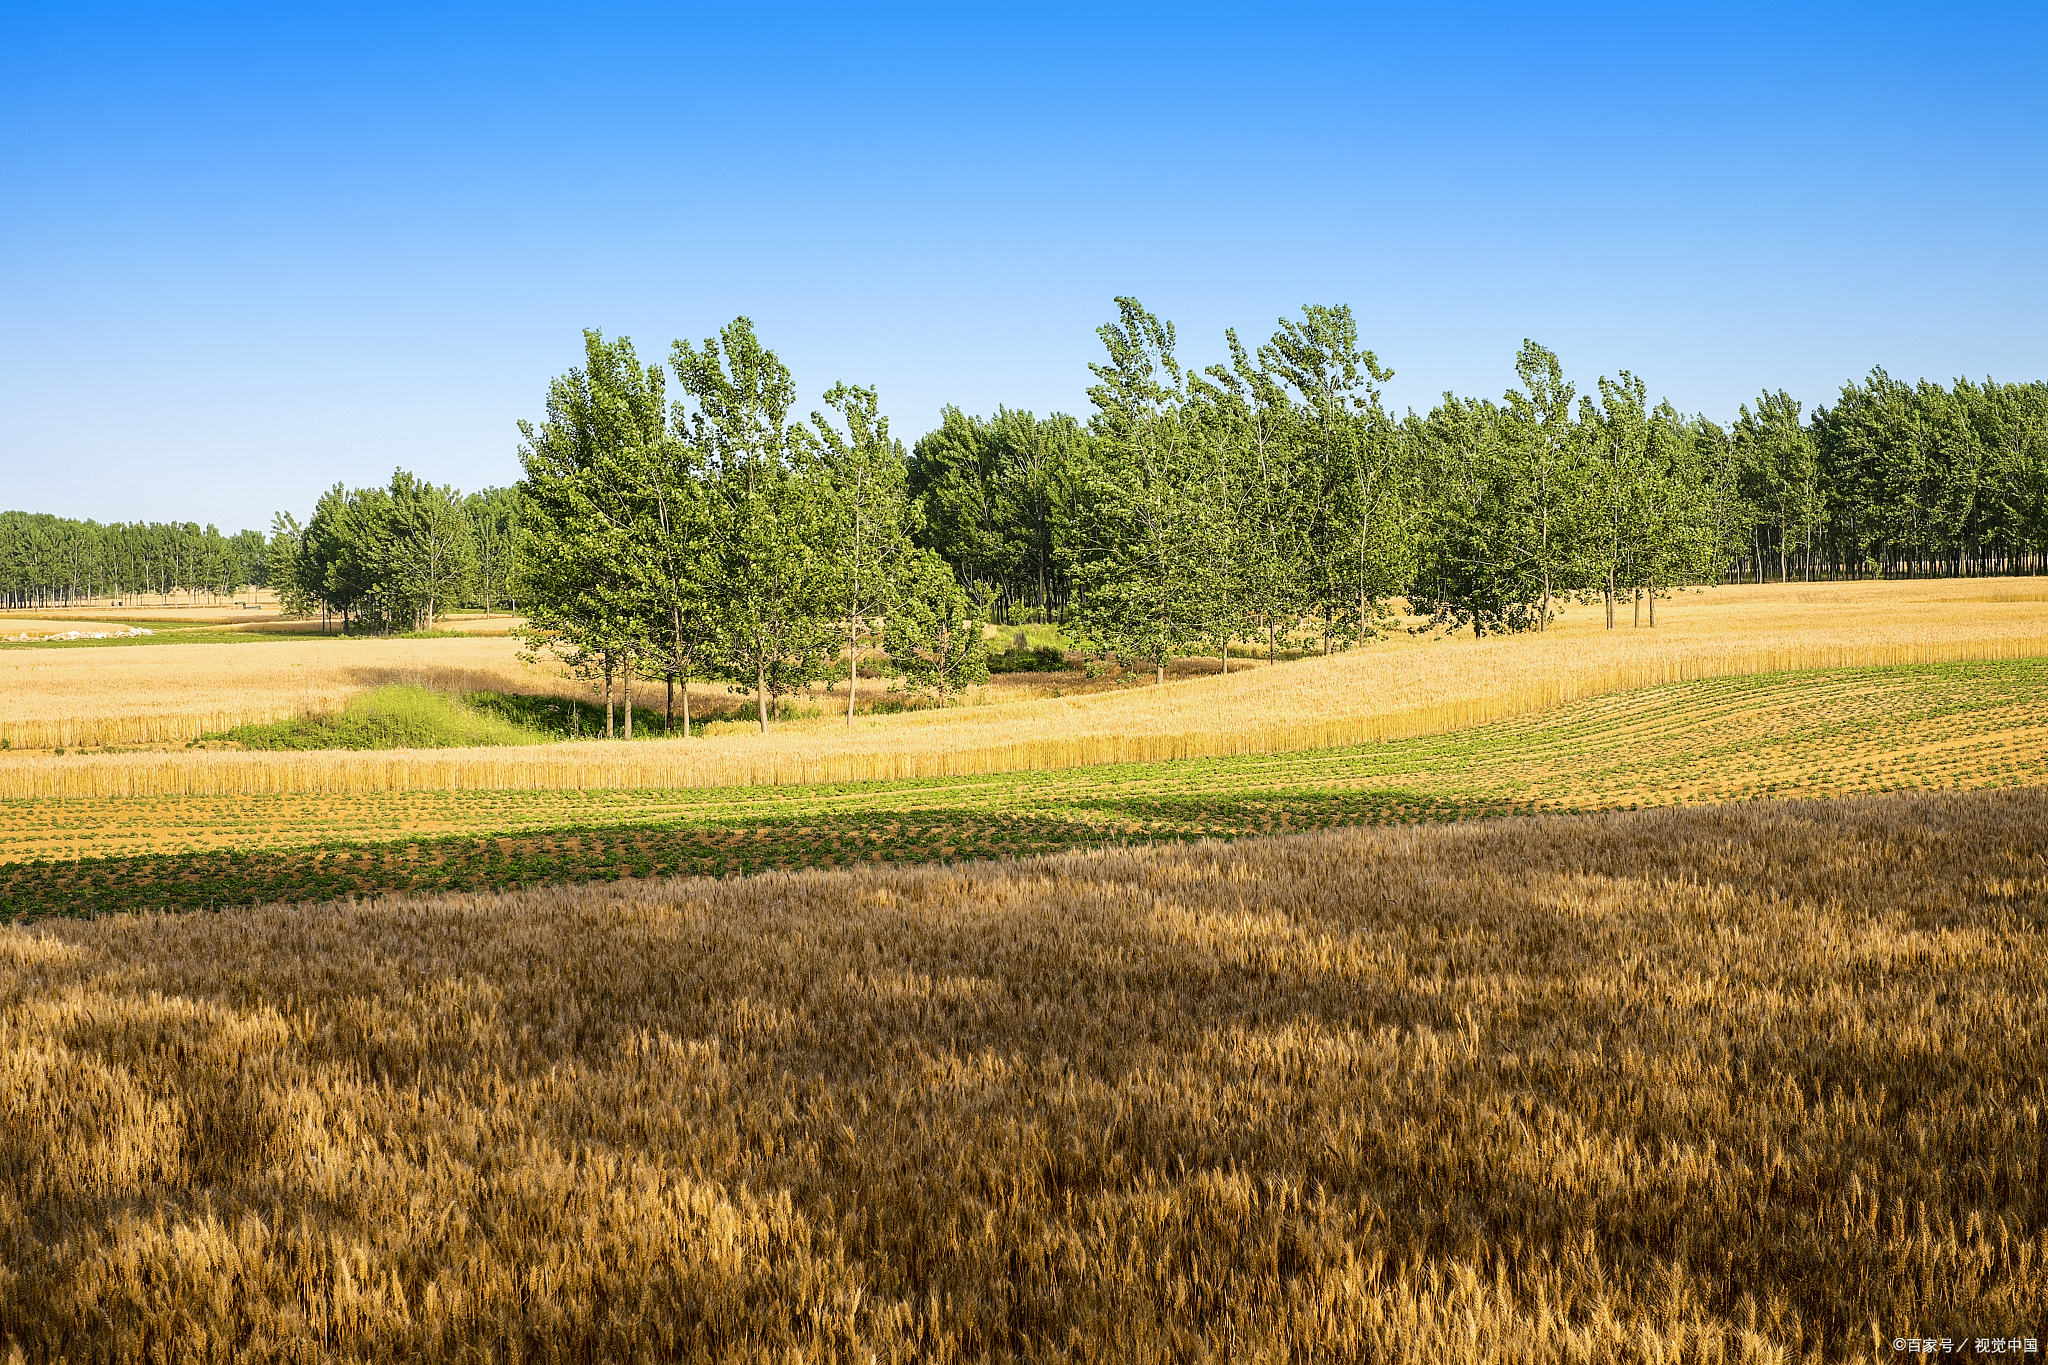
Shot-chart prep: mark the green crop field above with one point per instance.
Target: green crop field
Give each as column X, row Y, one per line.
column 1815, row 734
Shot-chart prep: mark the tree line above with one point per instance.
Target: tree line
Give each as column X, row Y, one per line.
column 1272, row 496
column 395, row 558
column 48, row 561
column 686, row 522
column 1268, row 497
column 723, row 536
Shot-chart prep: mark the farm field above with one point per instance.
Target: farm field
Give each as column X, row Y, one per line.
column 1737, row 1083
column 1391, row 689
column 1822, row 733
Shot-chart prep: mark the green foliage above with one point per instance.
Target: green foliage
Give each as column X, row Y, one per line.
column 1154, row 529
column 48, row 561
column 869, row 516
column 775, row 585
column 933, row 633
column 384, row 559
column 589, row 513
column 997, row 495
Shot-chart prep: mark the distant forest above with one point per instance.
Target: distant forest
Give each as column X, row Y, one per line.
column 48, row 561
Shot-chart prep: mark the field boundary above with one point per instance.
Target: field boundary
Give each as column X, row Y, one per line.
column 744, row 763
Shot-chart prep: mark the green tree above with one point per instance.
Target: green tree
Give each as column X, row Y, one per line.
column 1780, row 462
column 494, row 526
column 933, row 631
column 585, row 582
column 1354, row 548
column 433, row 557
column 868, row 511
column 770, row 515
column 1154, row 525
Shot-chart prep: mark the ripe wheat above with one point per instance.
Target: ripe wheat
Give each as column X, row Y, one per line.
column 1730, row 1084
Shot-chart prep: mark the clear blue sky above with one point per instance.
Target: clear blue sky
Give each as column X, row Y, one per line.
column 246, row 253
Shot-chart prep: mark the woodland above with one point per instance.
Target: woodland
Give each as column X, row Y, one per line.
column 687, row 522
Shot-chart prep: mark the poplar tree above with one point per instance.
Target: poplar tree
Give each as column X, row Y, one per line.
column 868, row 511
column 585, row 584
column 769, row 518
column 1348, row 465
column 1155, row 524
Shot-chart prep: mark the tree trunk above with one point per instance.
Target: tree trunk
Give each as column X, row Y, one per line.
column 852, row 664
column 608, row 731
column 1653, row 606
column 626, row 689
column 1160, row 665
column 1544, row 622
column 1639, row 606
column 1610, row 597
column 1226, row 656
column 668, row 711
column 686, row 706
column 761, row 691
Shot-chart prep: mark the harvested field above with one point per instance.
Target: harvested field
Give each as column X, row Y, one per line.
column 1741, row 1083
column 1388, row 690
column 1824, row 733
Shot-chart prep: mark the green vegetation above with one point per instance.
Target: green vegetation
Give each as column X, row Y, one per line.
column 48, row 561
column 399, row 716
column 1814, row 734
column 394, row 559
column 1028, row 659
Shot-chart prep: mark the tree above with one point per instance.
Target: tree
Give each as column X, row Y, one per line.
column 494, row 526
column 1348, row 464
column 1780, row 464
column 587, row 586
column 996, row 495
column 933, row 632
column 1542, row 477
column 770, row 516
column 433, row 557
column 1154, row 520
column 1617, row 435
column 868, row 512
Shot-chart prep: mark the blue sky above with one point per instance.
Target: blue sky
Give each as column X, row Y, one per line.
column 247, row 252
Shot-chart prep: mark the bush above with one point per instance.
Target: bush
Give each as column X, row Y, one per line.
column 1043, row 659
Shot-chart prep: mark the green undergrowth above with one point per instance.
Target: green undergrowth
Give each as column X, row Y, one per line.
column 398, row 716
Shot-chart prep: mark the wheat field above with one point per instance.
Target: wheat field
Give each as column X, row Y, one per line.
column 1757, row 1083
column 170, row 693
column 1383, row 691
column 1823, row 733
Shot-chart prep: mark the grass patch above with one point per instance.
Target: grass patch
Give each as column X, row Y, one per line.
column 393, row 717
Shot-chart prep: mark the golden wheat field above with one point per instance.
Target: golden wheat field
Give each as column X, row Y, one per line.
column 1757, row 1083
column 150, row 694
column 1385, row 690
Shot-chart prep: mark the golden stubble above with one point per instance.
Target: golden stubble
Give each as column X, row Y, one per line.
column 1739, row 1083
